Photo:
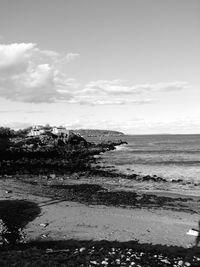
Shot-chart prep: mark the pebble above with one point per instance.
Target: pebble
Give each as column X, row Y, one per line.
column 8, row 191
column 117, row 261
column 94, row 262
column 165, row 261
column 81, row 249
column 180, row 262
column 44, row 224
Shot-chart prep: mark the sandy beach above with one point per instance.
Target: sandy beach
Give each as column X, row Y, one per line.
column 62, row 220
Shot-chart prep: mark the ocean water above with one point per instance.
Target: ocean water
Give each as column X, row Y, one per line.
column 167, row 156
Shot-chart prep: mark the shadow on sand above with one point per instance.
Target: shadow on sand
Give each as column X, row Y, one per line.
column 14, row 215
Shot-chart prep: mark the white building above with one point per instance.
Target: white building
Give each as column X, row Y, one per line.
column 60, row 130
column 37, row 130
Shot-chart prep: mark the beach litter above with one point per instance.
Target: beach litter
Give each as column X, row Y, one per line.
column 193, row 232
column 44, row 224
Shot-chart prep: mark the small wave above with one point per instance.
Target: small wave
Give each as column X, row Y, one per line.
column 122, row 148
column 174, row 162
column 148, row 162
column 170, row 162
column 159, row 151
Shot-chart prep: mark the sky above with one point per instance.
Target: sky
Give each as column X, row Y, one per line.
column 127, row 65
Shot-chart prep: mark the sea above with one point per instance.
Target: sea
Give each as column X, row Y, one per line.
column 172, row 157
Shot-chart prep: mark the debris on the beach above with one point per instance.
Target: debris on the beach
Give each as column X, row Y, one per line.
column 93, row 262
column 81, row 249
column 8, row 191
column 44, row 224
column 44, row 236
column 193, row 232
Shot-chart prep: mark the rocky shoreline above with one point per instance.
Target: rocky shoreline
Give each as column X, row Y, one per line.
column 69, row 173
column 90, row 253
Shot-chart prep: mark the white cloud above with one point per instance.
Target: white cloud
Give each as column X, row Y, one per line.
column 120, row 87
column 97, row 100
column 71, row 56
column 29, row 74
column 33, row 75
column 117, row 92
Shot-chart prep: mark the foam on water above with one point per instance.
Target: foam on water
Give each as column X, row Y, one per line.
column 168, row 156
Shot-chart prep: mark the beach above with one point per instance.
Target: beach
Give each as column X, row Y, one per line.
column 72, row 219
column 83, row 220
column 85, row 209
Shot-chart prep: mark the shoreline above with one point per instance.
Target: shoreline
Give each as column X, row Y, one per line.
column 67, row 228
column 85, row 207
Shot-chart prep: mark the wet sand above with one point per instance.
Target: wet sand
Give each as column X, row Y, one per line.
column 63, row 220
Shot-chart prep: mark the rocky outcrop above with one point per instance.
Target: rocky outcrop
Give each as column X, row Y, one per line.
column 51, row 154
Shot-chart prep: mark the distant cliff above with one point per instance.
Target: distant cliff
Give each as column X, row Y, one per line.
column 95, row 132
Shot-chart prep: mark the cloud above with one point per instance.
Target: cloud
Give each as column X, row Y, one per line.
column 33, row 75
column 29, row 74
column 97, row 100
column 71, row 56
column 120, row 87
column 118, row 92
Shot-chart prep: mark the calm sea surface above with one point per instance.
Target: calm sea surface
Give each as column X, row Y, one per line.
column 168, row 156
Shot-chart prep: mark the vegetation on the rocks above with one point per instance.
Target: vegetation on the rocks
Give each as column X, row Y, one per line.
column 47, row 153
column 97, row 132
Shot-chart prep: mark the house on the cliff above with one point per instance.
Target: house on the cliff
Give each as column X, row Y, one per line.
column 42, row 130
column 36, row 130
column 60, row 131
column 39, row 130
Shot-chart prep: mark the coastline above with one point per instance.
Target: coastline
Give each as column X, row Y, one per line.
column 97, row 204
column 67, row 226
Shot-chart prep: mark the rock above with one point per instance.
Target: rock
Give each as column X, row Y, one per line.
column 118, row 261
column 187, row 264
column 180, row 263
column 166, row 261
column 49, row 250
column 179, row 180
column 75, row 176
column 44, row 224
column 52, row 175
column 8, row 191
column 81, row 249
column 94, row 262
column 44, row 236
